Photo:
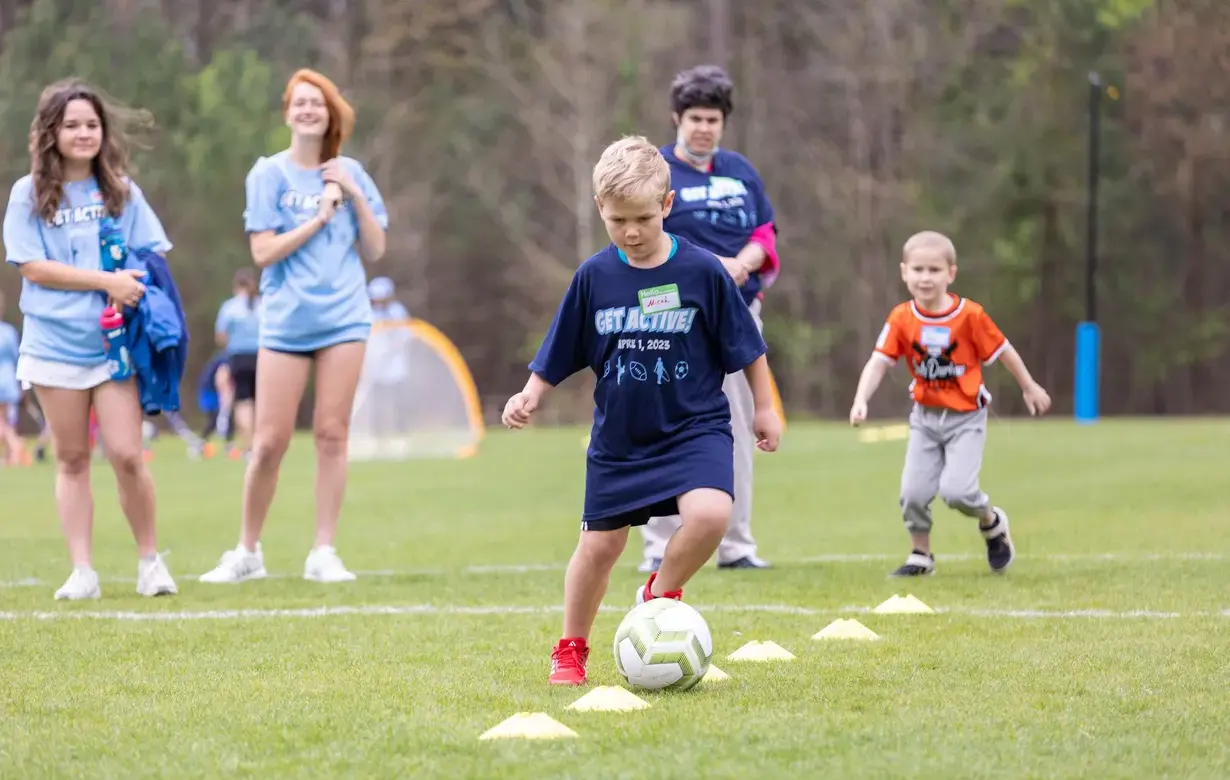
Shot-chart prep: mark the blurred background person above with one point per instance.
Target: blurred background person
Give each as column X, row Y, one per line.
column 237, row 332
column 721, row 205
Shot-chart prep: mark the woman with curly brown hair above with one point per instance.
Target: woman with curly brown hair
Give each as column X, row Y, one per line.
column 313, row 217
column 78, row 178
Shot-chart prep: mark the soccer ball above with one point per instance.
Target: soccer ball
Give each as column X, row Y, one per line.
column 663, row 644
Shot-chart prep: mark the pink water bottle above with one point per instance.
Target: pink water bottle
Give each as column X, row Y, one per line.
column 115, row 343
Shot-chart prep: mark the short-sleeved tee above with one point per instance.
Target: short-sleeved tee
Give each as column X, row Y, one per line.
column 10, row 342
column 660, row 342
column 317, row 296
column 240, row 319
column 945, row 352
column 62, row 325
column 719, row 209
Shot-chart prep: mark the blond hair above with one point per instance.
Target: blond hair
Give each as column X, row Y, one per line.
column 931, row 241
column 632, row 168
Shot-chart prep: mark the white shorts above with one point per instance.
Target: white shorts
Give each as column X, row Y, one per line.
column 32, row 371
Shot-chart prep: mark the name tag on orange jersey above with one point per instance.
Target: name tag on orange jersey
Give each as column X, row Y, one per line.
column 935, row 336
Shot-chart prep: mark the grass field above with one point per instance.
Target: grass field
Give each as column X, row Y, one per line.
column 1103, row 652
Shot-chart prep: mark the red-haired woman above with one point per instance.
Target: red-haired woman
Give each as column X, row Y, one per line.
column 51, row 232
column 313, row 218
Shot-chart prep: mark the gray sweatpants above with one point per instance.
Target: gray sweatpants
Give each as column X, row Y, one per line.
column 943, row 456
column 738, row 542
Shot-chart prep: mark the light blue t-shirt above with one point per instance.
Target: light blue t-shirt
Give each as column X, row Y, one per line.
column 62, row 325
column 10, row 389
column 316, row 297
column 241, row 322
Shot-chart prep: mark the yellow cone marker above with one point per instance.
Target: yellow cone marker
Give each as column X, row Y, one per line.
column 529, row 725
column 844, row 628
column 609, row 698
column 761, row 651
column 908, row 605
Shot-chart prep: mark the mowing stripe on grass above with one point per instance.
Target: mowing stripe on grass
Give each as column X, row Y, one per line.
column 441, row 609
column 838, row 558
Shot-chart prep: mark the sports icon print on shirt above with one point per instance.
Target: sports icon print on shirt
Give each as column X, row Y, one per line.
column 643, row 355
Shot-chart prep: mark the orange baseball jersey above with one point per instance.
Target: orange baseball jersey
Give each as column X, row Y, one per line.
column 945, row 352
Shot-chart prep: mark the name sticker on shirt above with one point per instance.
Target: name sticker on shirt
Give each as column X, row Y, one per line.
column 935, row 336
column 658, row 299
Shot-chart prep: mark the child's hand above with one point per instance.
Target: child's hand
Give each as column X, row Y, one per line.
column 858, row 412
column 1036, row 399
column 768, row 429
column 518, row 410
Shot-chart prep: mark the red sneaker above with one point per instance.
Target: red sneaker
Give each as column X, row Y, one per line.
column 643, row 593
column 568, row 662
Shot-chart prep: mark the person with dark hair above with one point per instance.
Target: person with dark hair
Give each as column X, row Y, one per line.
column 720, row 205
column 313, row 217
column 78, row 181
column 237, row 331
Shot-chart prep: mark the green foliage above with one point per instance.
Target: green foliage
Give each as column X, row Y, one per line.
column 975, row 124
column 211, row 125
column 1114, row 14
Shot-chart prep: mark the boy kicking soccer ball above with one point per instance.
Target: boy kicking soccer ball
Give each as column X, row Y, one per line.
column 945, row 340
column 661, row 323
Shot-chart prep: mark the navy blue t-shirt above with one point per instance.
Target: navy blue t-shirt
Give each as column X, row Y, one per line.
column 719, row 209
column 660, row 342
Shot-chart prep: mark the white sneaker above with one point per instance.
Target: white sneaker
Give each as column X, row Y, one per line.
column 81, row 584
column 153, row 578
column 323, row 565
column 238, row 565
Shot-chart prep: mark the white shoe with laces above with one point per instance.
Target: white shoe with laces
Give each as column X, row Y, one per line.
column 81, row 584
column 238, row 565
column 154, row 579
column 323, row 565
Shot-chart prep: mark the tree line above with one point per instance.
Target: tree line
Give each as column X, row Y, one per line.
column 481, row 119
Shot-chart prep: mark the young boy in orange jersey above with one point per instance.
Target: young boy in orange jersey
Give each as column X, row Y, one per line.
column 946, row 340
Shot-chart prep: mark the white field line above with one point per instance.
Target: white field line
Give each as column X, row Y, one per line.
column 439, row 609
column 835, row 558
column 1113, row 557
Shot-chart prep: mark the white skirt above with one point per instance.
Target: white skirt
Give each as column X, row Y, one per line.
column 32, row 371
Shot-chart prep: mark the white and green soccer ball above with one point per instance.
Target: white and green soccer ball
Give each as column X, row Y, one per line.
column 663, row 644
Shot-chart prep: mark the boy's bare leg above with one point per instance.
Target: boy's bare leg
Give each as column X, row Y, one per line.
column 706, row 515
column 587, row 578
